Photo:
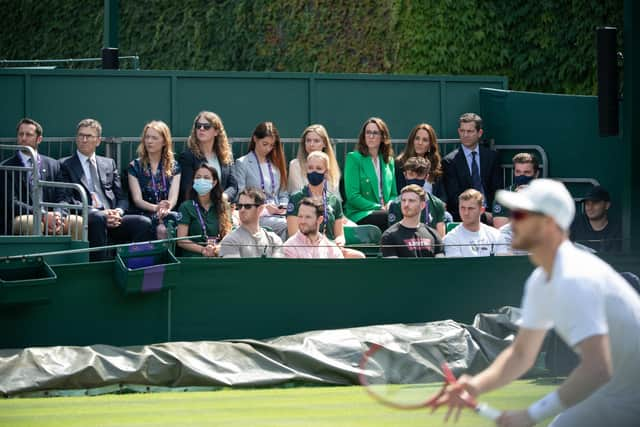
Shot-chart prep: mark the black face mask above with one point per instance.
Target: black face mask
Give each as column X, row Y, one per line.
column 315, row 178
column 418, row 182
column 522, row 180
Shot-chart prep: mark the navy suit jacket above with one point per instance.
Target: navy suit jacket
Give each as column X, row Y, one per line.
column 457, row 177
column 18, row 192
column 71, row 171
column 188, row 164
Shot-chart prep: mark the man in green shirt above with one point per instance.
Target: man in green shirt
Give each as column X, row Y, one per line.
column 416, row 170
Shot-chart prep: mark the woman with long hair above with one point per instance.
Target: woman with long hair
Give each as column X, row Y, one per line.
column 154, row 177
column 314, row 138
column 205, row 212
column 264, row 167
column 208, row 143
column 369, row 175
column 422, row 142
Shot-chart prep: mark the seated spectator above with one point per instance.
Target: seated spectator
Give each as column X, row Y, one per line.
column 208, row 143
column 314, row 138
column 205, row 212
column 506, row 235
column 369, row 176
column 308, row 241
column 250, row 240
column 100, row 179
column 264, row 167
column 332, row 226
column 594, row 228
column 154, row 178
column 422, row 142
column 525, row 168
column 470, row 166
column 18, row 216
column 410, row 238
column 472, row 238
column 416, row 169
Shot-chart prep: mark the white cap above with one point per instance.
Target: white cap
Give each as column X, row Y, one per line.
column 544, row 196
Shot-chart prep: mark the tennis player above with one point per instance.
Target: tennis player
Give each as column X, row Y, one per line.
column 591, row 307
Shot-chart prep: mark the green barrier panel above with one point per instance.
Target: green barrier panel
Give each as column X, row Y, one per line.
column 146, row 268
column 19, row 245
column 25, row 281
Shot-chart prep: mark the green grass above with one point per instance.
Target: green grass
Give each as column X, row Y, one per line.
column 312, row 406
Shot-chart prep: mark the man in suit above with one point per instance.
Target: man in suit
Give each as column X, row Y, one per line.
column 470, row 166
column 18, row 217
column 100, row 179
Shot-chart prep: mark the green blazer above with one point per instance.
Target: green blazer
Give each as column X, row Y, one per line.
column 361, row 185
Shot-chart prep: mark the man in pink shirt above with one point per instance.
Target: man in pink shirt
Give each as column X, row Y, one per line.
column 308, row 242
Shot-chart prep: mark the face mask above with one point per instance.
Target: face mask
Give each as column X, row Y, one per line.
column 522, row 180
column 418, row 182
column 315, row 178
column 202, row 186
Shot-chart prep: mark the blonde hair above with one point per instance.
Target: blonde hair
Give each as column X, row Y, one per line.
column 333, row 170
column 471, row 194
column 167, row 157
column 220, row 143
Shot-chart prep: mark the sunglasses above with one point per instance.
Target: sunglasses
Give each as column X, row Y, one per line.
column 246, row 205
column 519, row 215
column 205, row 126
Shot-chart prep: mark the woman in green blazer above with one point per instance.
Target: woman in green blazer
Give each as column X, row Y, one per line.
column 369, row 177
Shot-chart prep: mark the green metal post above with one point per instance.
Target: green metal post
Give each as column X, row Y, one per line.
column 110, row 23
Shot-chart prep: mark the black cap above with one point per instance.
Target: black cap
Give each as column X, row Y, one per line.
column 598, row 194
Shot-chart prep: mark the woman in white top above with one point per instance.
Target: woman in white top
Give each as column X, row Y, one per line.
column 264, row 167
column 314, row 138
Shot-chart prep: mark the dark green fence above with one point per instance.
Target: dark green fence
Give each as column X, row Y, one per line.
column 125, row 100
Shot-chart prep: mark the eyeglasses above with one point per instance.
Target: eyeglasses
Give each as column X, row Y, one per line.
column 373, row 133
column 519, row 215
column 83, row 136
column 205, row 126
column 247, row 206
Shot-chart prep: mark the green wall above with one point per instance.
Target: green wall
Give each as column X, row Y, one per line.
column 259, row 298
column 123, row 101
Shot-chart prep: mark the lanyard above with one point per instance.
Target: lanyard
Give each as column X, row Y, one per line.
column 156, row 190
column 273, row 181
column 325, row 216
column 25, row 163
column 426, row 211
column 202, row 224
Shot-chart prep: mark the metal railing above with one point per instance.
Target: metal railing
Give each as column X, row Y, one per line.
column 52, row 63
column 18, row 200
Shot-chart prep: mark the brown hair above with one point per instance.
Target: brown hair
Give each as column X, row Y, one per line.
column 419, row 165
column 413, row 188
column 28, row 121
column 433, row 153
column 276, row 155
column 256, row 195
column 469, row 118
column 385, row 144
column 220, row 143
column 522, row 158
column 314, row 203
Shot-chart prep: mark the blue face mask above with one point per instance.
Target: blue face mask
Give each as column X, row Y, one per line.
column 416, row 181
column 315, row 178
column 202, row 185
column 522, row 180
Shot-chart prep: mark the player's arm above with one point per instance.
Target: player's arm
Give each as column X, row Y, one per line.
column 595, row 369
column 511, row 364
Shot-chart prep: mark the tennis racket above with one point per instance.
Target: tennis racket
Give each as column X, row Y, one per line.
column 395, row 379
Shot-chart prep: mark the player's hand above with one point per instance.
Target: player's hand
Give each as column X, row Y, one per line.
column 515, row 419
column 457, row 397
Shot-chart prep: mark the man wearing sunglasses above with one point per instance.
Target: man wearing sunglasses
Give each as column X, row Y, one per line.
column 591, row 307
column 250, row 240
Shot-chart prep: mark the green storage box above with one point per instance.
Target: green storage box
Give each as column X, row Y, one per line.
column 146, row 268
column 25, row 281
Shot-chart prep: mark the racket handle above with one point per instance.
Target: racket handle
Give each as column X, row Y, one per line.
column 487, row 411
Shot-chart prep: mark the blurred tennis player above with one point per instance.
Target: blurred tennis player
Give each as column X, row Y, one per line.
column 591, row 307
